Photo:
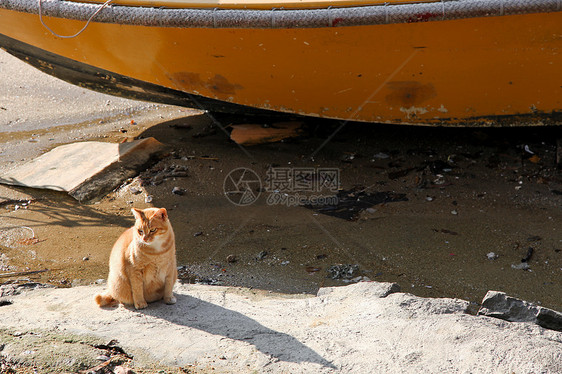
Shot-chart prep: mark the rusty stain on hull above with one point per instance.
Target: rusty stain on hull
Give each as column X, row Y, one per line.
column 408, row 94
column 218, row 84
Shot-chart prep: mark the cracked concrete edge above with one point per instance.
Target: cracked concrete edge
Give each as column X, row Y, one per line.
column 53, row 352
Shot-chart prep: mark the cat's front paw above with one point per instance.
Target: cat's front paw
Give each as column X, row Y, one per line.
column 170, row 300
column 141, row 304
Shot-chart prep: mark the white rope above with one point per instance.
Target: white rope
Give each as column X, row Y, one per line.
column 273, row 17
column 214, row 17
column 386, row 13
column 79, row 32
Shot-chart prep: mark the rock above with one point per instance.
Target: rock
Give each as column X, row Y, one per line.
column 178, row 191
column 381, row 155
column 16, row 289
column 364, row 290
column 122, row 370
column 499, row 305
column 521, row 266
column 492, row 256
column 86, row 170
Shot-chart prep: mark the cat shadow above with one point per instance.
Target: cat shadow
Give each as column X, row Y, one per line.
column 217, row 320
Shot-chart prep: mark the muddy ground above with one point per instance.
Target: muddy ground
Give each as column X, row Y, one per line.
column 444, row 212
column 450, row 197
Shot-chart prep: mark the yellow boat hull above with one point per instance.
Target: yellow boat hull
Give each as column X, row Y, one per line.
column 480, row 71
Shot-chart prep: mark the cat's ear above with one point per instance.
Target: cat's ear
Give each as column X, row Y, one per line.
column 162, row 213
column 139, row 214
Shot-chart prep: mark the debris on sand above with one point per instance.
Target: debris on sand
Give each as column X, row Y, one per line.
column 253, row 134
column 492, row 256
column 521, row 266
column 528, row 255
column 352, row 202
column 343, row 271
column 261, row 255
column 178, row 191
column 157, row 175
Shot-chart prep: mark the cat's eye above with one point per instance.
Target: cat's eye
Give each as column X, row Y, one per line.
column 140, row 231
column 153, row 230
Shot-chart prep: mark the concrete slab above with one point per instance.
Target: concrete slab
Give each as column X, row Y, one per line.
column 86, row 170
column 367, row 327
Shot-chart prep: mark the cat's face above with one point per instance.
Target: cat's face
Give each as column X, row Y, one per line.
column 151, row 225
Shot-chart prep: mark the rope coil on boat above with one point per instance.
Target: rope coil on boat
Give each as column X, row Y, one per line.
column 39, row 3
column 283, row 18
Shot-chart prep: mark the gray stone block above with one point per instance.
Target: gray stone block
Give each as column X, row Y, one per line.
column 499, row 305
column 86, row 170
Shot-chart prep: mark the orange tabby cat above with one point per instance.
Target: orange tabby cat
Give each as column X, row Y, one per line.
column 142, row 265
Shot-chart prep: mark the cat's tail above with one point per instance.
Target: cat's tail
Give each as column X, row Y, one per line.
column 104, row 299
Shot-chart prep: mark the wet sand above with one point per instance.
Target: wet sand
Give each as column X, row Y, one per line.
column 469, row 192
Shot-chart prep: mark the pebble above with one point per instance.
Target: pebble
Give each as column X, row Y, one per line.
column 122, row 370
column 134, row 190
column 521, row 266
column 231, row 259
column 492, row 256
column 148, row 199
column 381, row 155
column 102, row 358
column 178, row 191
